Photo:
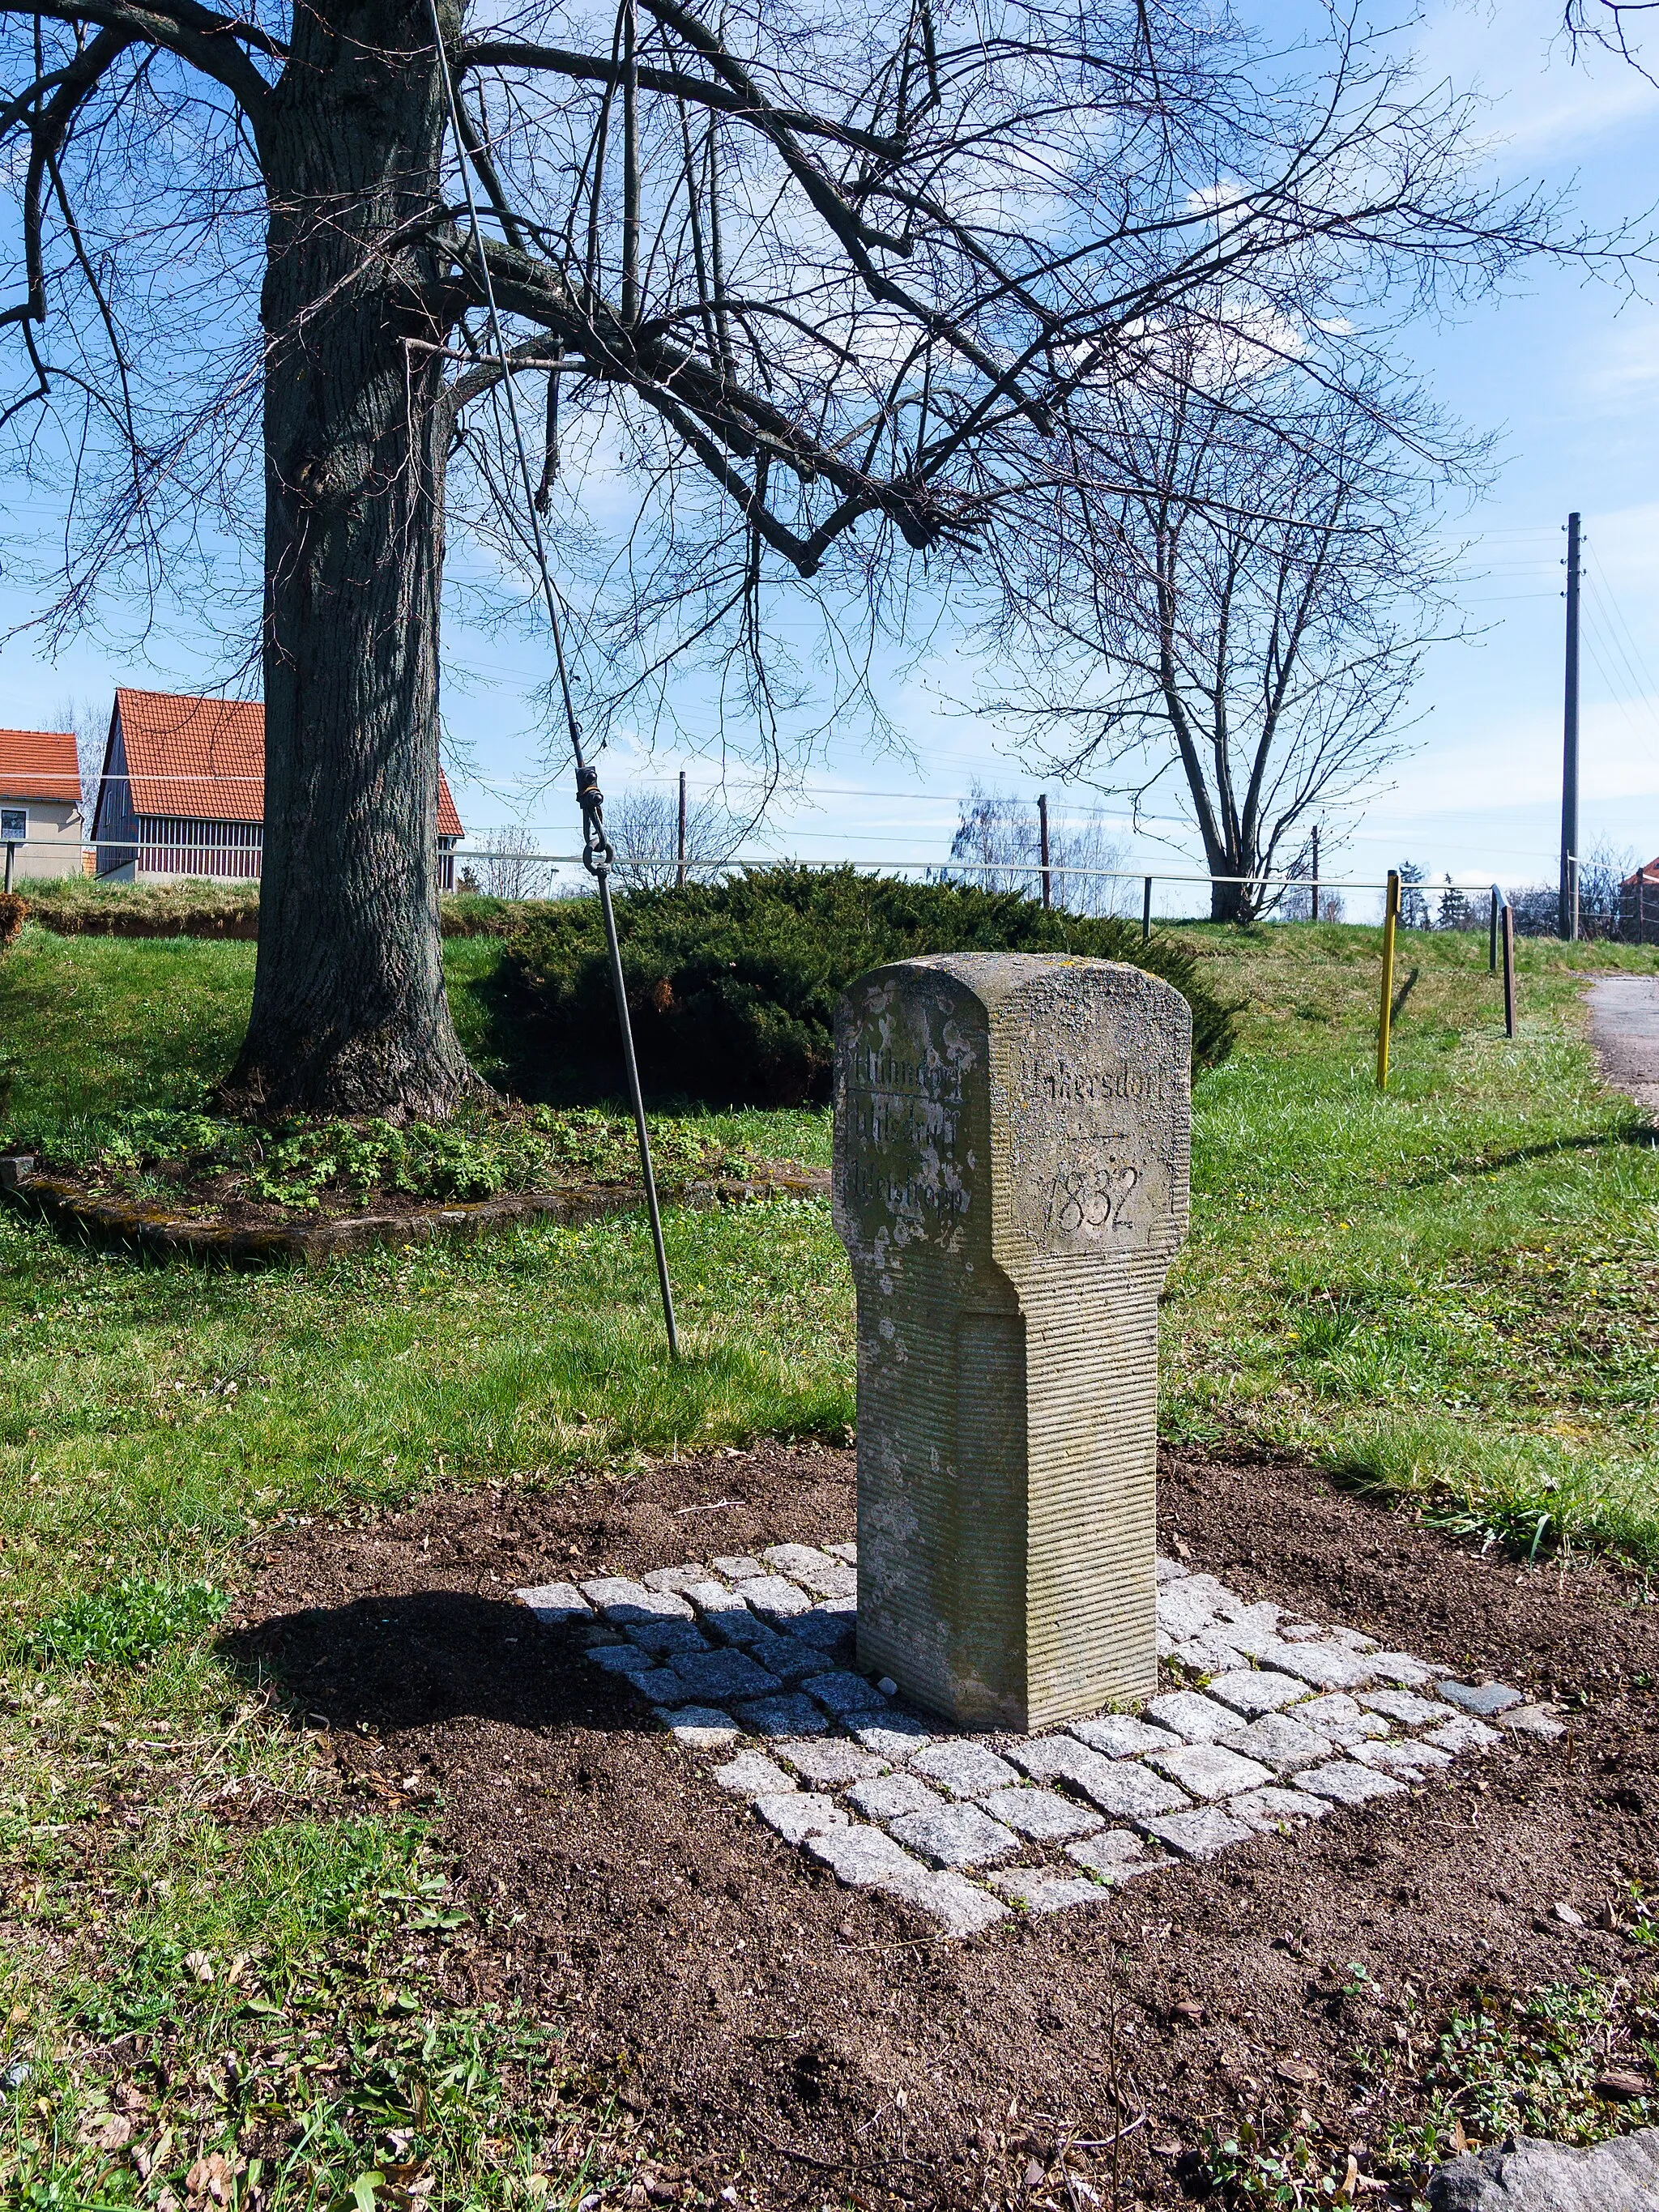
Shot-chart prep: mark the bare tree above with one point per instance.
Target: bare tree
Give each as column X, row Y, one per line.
column 823, row 287
column 90, row 724
column 645, row 828
column 1001, row 835
column 505, row 866
column 1232, row 599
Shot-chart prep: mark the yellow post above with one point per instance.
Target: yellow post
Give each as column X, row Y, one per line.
column 1385, row 1016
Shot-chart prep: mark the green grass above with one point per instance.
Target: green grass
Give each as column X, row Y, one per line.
column 1451, row 1292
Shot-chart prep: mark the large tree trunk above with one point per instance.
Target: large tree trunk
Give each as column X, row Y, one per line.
column 350, row 1014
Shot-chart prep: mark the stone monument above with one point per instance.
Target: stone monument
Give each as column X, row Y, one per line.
column 1011, row 1182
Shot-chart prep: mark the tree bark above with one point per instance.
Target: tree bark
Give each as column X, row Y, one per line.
column 350, row 1014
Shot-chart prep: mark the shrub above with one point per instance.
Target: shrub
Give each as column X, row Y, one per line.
column 732, row 985
column 14, row 911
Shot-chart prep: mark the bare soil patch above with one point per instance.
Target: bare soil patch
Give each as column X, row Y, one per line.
column 814, row 2046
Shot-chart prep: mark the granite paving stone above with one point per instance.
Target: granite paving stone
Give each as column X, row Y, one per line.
column 722, row 1674
column 961, row 1906
column 697, row 1728
column 1206, row 1771
column 1326, row 1666
column 1406, row 1708
column 1119, row 1736
column 751, row 1774
column 1186, row 1608
column 827, row 1763
column 813, row 1569
column 1533, row 1720
column 681, row 1581
column 786, row 1657
column 1209, row 1654
column 1484, row 1699
column 781, row 1715
column 738, row 1567
column 1118, row 1854
column 1399, row 1668
column 847, row 1551
column 895, row 1736
column 621, row 1659
column 1063, row 1759
column 772, row 1598
column 889, row 1795
column 841, row 1692
column 664, row 1636
column 1268, row 1809
column 1200, row 1834
column 1193, row 1716
column 826, row 1631
column 660, row 1684
column 954, row 1836
column 965, row 1770
column 1039, row 1889
column 1402, row 1755
column 1464, row 1733
column 1168, row 1569
column 1346, row 1782
column 622, row 1600
column 863, row 1857
column 1353, row 1638
column 720, row 1609
column 1248, row 1634
column 555, row 1604
column 1253, row 1691
column 798, row 1813
column 1042, row 1814
column 1130, row 1791
column 1342, row 1718
column 1280, row 1740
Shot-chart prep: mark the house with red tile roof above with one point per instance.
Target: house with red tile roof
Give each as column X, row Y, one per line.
column 40, row 804
column 183, row 791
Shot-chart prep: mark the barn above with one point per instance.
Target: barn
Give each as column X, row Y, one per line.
column 183, row 791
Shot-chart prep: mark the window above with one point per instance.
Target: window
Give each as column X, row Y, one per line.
column 14, row 825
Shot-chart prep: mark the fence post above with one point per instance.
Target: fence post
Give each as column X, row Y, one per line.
column 1313, row 911
column 679, row 868
column 1509, row 969
column 1385, row 1016
column 1042, row 847
column 1491, row 948
column 1146, row 912
column 11, row 850
column 1641, row 907
column 1572, row 880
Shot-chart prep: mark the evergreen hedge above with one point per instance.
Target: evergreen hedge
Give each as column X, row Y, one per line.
column 732, row 985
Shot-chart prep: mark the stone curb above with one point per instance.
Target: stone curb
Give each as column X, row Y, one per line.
column 152, row 1233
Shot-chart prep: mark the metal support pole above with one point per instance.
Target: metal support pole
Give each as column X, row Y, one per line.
column 679, row 871
column 1572, row 883
column 1042, row 847
column 11, row 854
column 1146, row 912
column 1509, row 969
column 1313, row 910
column 1491, row 948
column 1385, row 1016
column 1569, row 920
column 1641, row 907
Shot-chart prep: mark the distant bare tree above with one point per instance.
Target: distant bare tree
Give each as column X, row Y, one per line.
column 90, row 723
column 1233, row 597
column 503, row 867
column 1001, row 833
column 644, row 827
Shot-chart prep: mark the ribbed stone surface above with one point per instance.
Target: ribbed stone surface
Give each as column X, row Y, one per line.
column 1011, row 1183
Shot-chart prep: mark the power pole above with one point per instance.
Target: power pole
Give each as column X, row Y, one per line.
column 1042, row 847
column 1569, row 915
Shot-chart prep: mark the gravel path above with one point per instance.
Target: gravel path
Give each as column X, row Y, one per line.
column 1625, row 1026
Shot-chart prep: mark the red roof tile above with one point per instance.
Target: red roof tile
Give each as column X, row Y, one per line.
column 204, row 759
column 40, row 764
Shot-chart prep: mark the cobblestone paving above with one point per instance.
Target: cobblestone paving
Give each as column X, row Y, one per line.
column 750, row 1664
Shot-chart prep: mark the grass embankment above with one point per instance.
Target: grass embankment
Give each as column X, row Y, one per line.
column 1451, row 1291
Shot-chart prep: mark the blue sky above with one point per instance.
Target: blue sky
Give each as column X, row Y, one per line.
column 1566, row 371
